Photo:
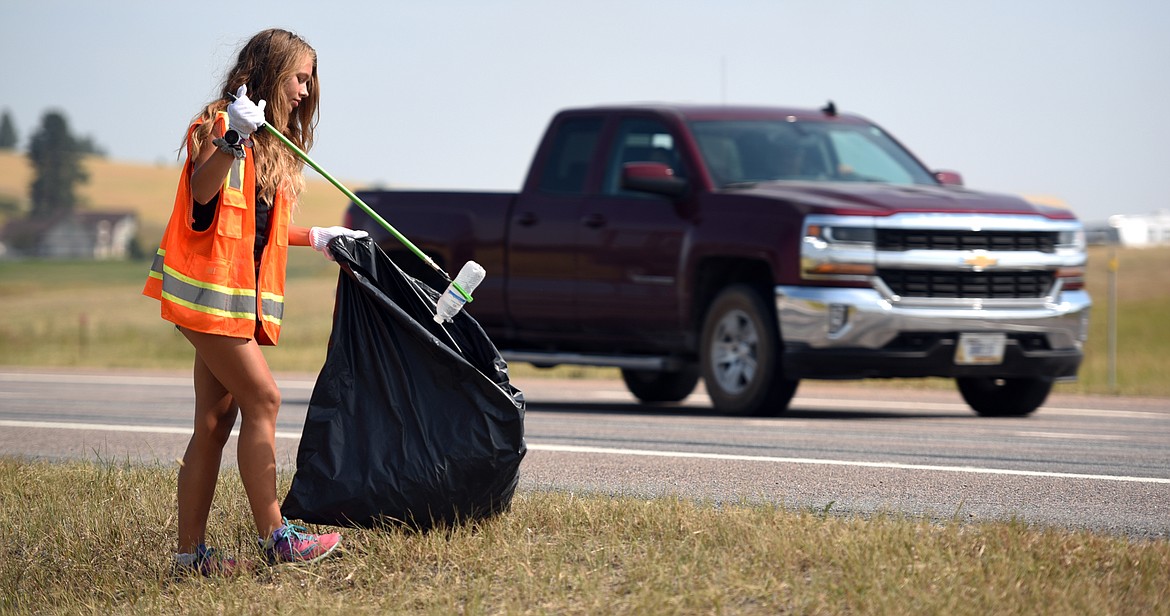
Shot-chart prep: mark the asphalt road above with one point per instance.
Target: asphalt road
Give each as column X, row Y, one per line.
column 1091, row 462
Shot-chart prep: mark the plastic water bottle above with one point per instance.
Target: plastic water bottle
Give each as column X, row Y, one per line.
column 451, row 301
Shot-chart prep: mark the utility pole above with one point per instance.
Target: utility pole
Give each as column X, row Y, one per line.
column 1111, row 336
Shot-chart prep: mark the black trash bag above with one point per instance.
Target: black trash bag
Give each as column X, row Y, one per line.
column 410, row 422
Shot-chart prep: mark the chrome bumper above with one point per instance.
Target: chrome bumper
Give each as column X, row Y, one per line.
column 852, row 318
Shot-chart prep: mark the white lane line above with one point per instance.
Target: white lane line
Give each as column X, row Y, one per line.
column 1070, row 436
column 48, row 425
column 121, row 379
column 814, row 461
column 899, row 405
column 91, row 379
column 62, row 425
column 1101, row 413
column 873, row 405
column 609, row 395
column 615, row 395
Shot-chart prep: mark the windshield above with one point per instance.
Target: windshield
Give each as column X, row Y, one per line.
column 739, row 151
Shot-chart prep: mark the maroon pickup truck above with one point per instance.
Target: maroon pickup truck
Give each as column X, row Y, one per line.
column 755, row 247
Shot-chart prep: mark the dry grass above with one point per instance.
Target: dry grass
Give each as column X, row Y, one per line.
column 95, row 538
column 1143, row 293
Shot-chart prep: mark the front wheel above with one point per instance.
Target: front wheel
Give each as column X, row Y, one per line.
column 992, row 397
column 740, row 350
column 652, row 386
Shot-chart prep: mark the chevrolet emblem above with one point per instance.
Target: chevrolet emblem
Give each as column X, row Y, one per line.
column 980, row 262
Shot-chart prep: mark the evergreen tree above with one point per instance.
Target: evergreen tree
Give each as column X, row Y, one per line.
column 7, row 132
column 56, row 159
column 87, row 146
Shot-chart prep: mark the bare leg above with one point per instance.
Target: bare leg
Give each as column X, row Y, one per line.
column 215, row 415
column 235, row 369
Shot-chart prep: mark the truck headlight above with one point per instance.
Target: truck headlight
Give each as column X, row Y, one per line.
column 1071, row 240
column 837, row 250
column 1070, row 244
column 847, row 235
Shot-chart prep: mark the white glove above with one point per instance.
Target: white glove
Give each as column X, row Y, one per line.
column 244, row 116
column 320, row 237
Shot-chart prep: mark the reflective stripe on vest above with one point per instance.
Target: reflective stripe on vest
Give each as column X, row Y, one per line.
column 235, row 178
column 272, row 306
column 214, row 299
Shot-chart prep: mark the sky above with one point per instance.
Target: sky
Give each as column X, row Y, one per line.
column 1065, row 99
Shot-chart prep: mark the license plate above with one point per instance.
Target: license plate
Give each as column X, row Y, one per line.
column 980, row 349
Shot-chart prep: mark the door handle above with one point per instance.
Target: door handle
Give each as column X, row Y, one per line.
column 593, row 221
column 527, row 219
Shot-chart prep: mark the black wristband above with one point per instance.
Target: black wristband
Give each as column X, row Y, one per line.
column 227, row 148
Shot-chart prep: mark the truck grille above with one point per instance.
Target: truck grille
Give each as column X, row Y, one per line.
column 932, row 239
column 967, row 285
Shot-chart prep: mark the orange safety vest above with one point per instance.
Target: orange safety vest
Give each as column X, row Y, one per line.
column 207, row 280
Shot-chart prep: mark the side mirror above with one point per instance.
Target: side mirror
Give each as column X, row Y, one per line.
column 948, row 178
column 655, row 178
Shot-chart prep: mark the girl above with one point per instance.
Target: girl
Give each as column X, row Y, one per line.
column 219, row 276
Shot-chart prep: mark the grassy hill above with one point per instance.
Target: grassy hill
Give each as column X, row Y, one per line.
column 149, row 191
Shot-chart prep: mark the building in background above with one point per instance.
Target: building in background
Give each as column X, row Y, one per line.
column 77, row 235
column 1142, row 229
column 1121, row 229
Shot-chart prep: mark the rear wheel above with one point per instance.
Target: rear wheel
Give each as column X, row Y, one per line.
column 992, row 397
column 652, row 386
column 741, row 355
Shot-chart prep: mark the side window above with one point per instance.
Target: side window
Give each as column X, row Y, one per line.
column 567, row 165
column 640, row 140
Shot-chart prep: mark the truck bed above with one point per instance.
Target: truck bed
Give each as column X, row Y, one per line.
column 451, row 227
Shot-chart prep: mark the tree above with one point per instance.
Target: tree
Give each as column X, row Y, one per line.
column 56, row 159
column 8, row 138
column 87, row 146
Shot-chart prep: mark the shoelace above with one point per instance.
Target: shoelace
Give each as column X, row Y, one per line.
column 291, row 533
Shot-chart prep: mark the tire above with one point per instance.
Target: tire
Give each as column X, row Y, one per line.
column 740, row 355
column 653, row 387
column 992, row 397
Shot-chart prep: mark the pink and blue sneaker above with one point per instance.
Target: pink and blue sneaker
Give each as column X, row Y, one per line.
column 207, row 562
column 289, row 544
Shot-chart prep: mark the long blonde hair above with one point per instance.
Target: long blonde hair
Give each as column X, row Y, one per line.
column 265, row 64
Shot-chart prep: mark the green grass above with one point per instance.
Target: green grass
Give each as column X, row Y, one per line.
column 91, row 314
column 1143, row 300
column 96, row 538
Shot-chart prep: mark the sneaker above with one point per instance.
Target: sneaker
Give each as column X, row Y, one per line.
column 288, row 544
column 207, row 562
